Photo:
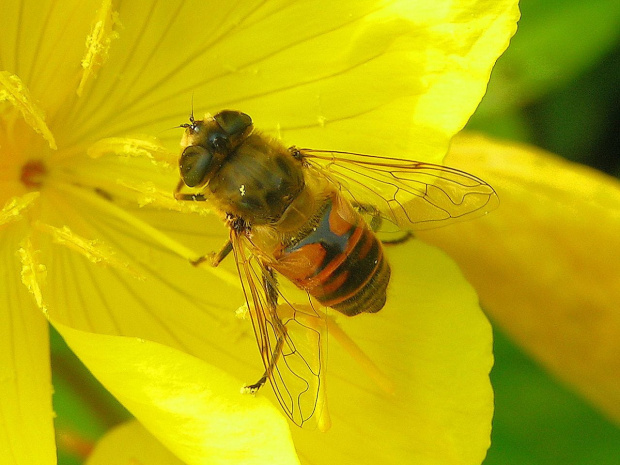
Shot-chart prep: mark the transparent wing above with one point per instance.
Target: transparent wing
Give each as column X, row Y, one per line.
column 407, row 195
column 290, row 339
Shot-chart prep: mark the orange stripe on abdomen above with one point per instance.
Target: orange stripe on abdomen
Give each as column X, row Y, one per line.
column 340, row 262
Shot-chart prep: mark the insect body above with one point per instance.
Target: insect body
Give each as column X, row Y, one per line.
column 310, row 216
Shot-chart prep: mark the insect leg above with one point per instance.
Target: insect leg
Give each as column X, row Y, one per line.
column 399, row 240
column 270, row 283
column 372, row 211
column 213, row 258
column 192, row 197
column 376, row 221
column 252, row 388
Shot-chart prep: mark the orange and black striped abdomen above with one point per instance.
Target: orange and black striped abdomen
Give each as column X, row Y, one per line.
column 340, row 261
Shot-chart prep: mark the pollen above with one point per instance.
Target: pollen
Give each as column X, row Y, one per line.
column 33, row 273
column 98, row 42
column 242, row 312
column 14, row 208
column 242, row 190
column 15, row 92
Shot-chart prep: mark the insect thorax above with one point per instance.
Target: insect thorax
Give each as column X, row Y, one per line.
column 258, row 181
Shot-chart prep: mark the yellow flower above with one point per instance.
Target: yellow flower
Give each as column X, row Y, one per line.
column 546, row 265
column 92, row 239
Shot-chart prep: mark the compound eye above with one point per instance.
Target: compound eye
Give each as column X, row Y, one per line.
column 194, row 165
column 234, row 123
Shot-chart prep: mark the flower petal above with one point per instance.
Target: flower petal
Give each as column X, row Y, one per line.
column 43, row 43
column 433, row 344
column 93, row 250
column 25, row 380
column 195, row 409
column 439, row 368
column 173, row 303
column 546, row 263
column 129, row 444
column 323, row 80
column 427, row 357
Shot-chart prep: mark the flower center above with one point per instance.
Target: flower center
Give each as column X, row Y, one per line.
column 33, row 173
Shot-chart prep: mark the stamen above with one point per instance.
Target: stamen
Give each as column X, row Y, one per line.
column 12, row 210
column 150, row 194
column 94, row 250
column 134, row 147
column 98, row 42
column 13, row 90
column 110, row 208
column 33, row 274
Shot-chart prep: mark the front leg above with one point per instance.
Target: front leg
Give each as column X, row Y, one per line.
column 375, row 222
column 271, row 293
column 273, row 360
column 373, row 212
column 213, row 258
column 191, row 197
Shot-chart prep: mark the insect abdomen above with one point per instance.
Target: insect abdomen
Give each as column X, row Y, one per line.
column 340, row 261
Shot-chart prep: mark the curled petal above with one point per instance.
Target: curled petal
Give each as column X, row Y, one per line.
column 546, row 263
column 129, row 444
column 193, row 408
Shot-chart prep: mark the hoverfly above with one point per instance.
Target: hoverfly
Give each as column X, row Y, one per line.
column 312, row 217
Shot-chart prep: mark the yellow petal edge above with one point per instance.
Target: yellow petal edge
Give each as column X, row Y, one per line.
column 546, row 263
column 193, row 408
column 131, row 444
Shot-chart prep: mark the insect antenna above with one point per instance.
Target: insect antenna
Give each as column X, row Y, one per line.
column 191, row 116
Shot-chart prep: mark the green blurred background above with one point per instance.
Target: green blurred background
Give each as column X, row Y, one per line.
column 556, row 87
